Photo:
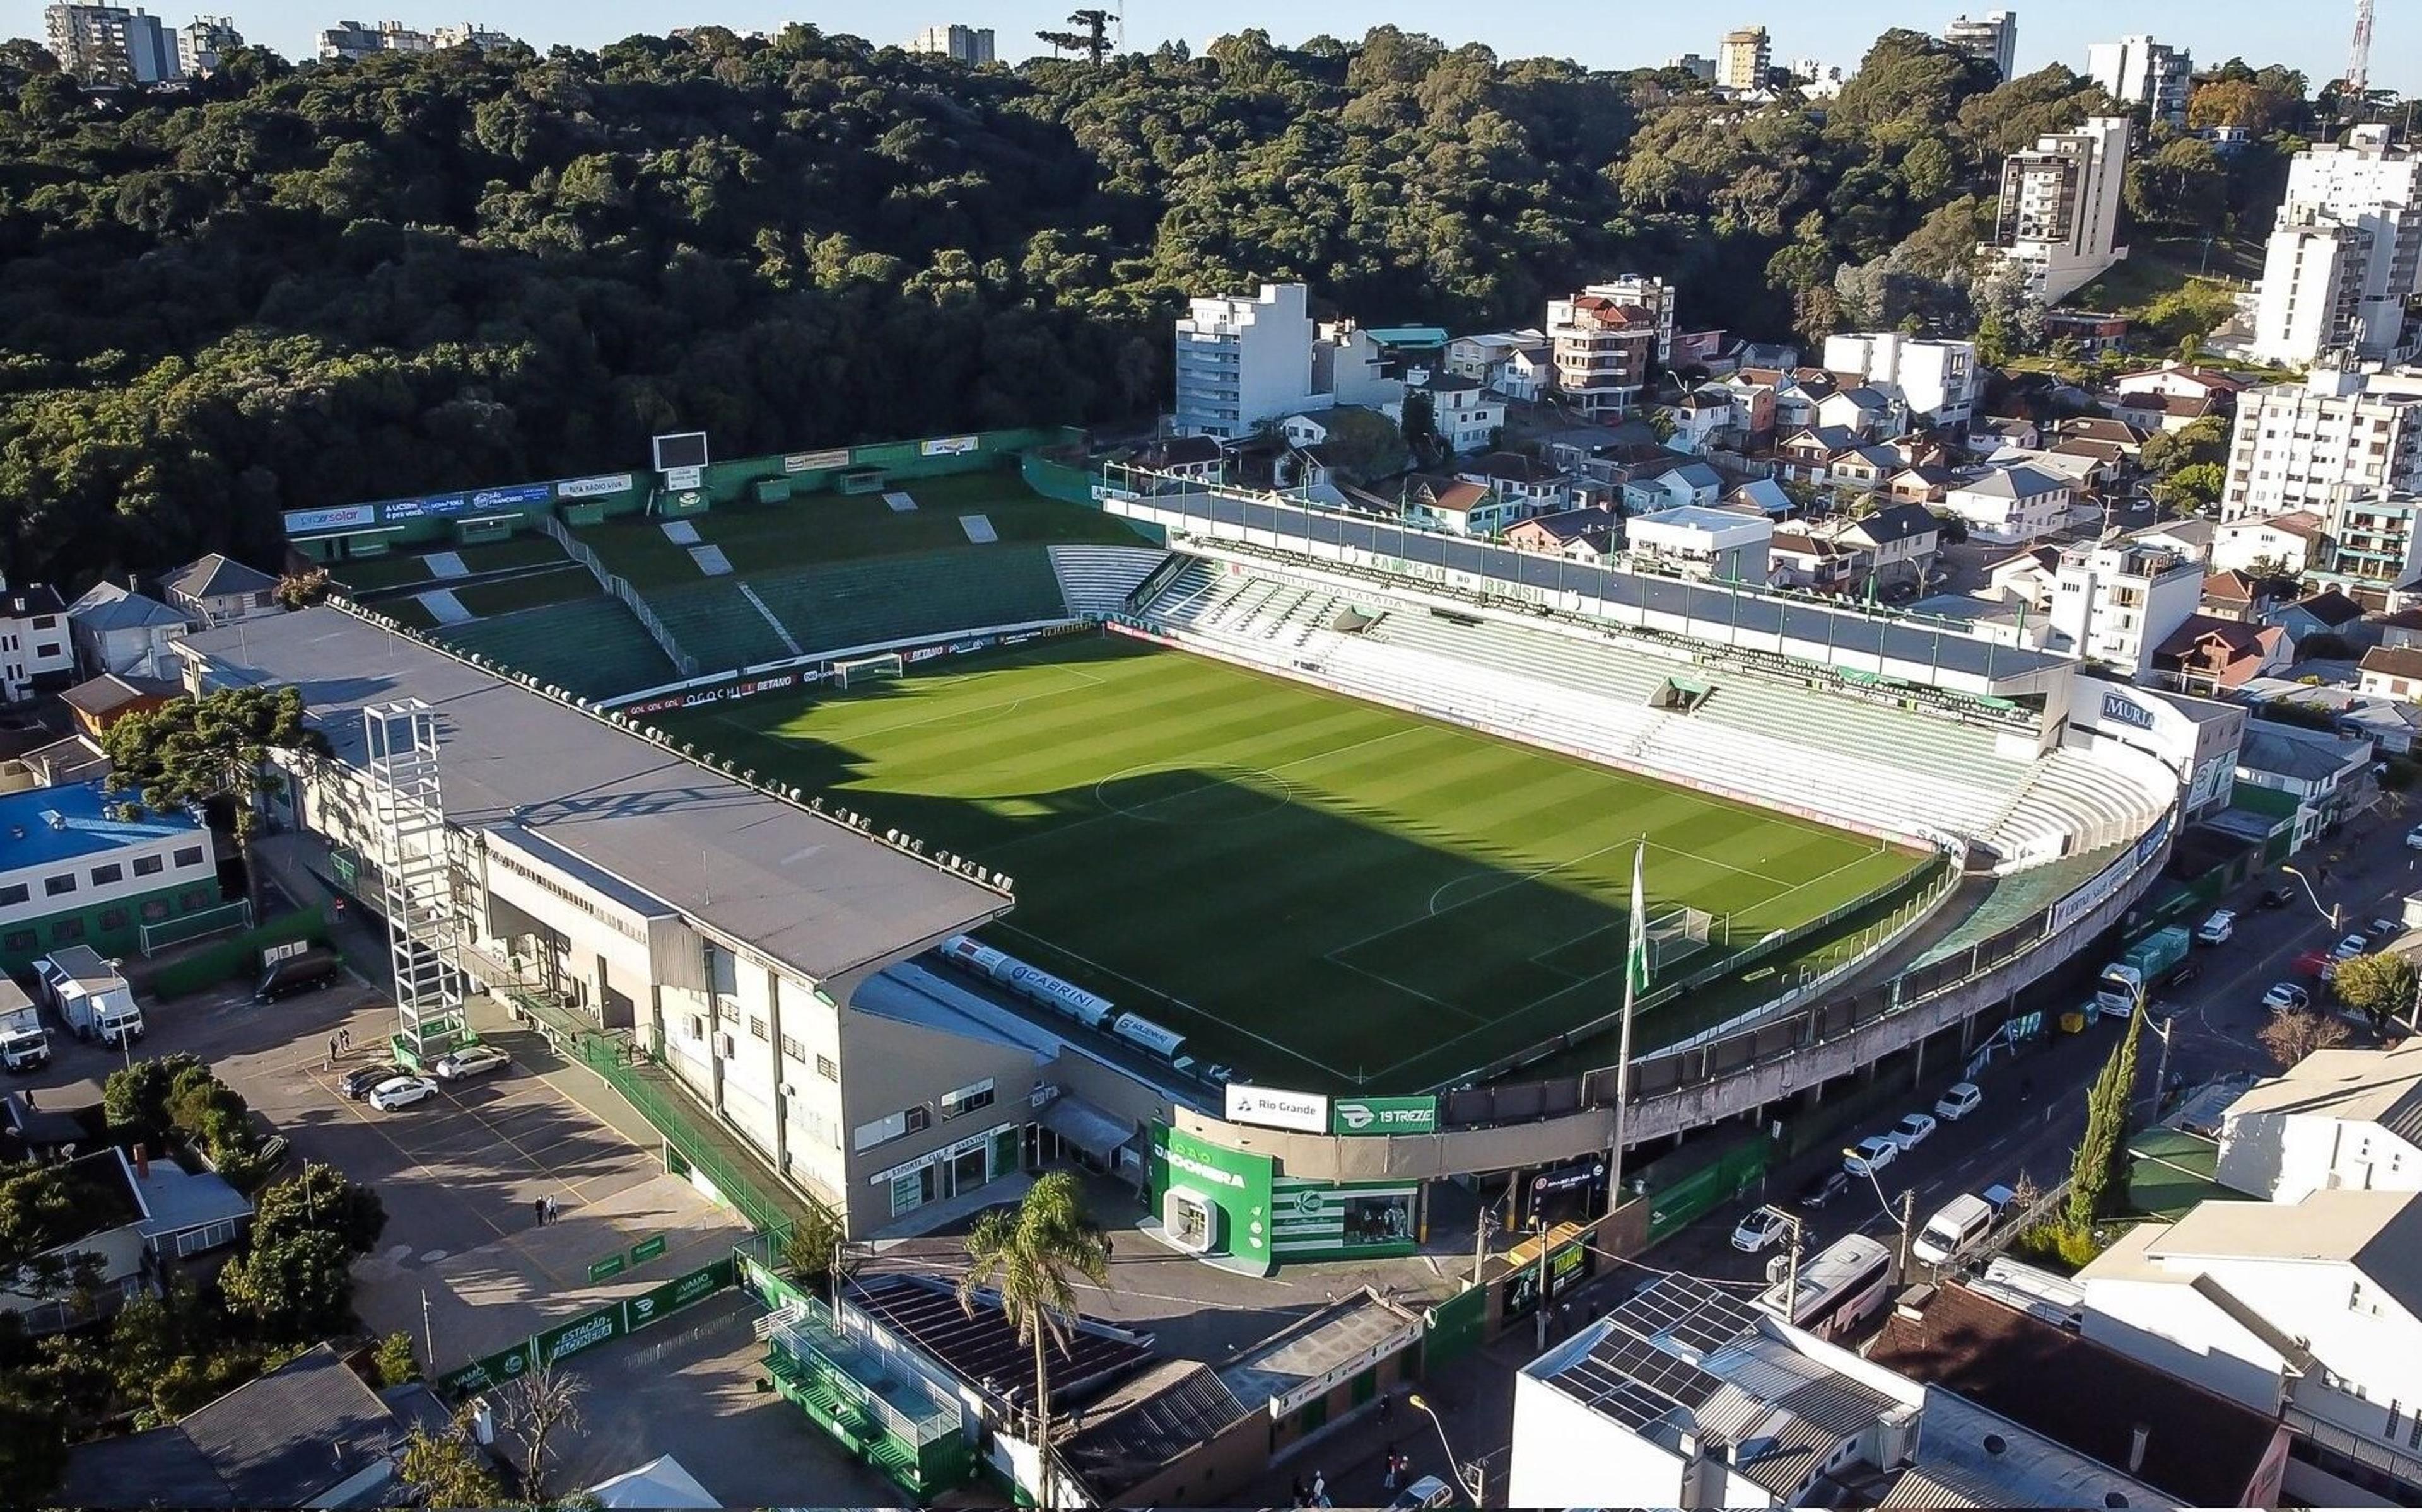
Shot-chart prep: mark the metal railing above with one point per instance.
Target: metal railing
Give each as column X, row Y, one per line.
column 614, row 584
column 811, row 1338
column 2360, row 1448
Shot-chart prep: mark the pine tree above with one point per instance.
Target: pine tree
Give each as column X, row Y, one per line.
column 2103, row 1154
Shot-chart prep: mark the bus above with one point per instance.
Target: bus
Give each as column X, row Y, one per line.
column 1844, row 1287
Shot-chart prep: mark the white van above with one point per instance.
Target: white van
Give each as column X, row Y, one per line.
column 1957, row 1224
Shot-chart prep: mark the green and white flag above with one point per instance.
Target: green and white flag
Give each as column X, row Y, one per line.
column 1635, row 964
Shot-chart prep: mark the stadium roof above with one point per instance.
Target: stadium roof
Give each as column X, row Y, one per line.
column 1629, row 596
column 803, row 889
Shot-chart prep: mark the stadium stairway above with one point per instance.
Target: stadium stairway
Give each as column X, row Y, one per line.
column 1790, row 745
column 1096, row 579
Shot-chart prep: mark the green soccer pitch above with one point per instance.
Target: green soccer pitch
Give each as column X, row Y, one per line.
column 1320, row 892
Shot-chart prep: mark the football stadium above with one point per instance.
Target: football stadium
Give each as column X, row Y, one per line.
column 1273, row 845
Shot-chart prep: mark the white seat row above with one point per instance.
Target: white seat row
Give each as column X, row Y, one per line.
column 1096, row 579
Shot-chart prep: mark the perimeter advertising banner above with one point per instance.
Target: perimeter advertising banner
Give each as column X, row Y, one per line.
column 1369, row 1117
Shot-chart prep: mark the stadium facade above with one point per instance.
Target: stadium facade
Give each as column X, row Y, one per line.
column 782, row 962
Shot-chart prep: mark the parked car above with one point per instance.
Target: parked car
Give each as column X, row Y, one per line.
column 401, row 1092
column 2287, row 996
column 1425, row 1492
column 1957, row 1104
column 1758, row 1228
column 2383, row 929
column 362, row 1081
column 1823, row 1188
column 2349, row 947
column 1871, row 1154
column 2216, row 929
column 2280, row 896
column 316, row 967
column 474, row 1060
column 2315, row 963
column 1911, row 1130
column 2413, row 838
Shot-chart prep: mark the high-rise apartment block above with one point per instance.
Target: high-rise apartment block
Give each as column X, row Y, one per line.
column 2115, row 601
column 203, row 41
column 1242, row 360
column 110, row 44
column 351, row 39
column 469, row 33
column 970, row 45
column 2059, row 211
column 2338, row 435
column 1743, row 59
column 2345, row 256
column 2145, row 74
column 1992, row 38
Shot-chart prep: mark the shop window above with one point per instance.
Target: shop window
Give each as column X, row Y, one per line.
column 189, row 856
column 13, row 894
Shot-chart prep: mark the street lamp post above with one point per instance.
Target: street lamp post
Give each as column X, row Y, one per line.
column 1471, row 1478
column 1902, row 1218
column 2330, row 913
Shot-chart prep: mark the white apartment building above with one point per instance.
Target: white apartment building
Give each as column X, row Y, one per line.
column 1992, row 38
column 1696, row 541
column 2059, row 208
column 1349, row 366
column 110, row 44
column 2345, row 253
column 2011, row 505
column 2308, row 1310
column 35, row 645
column 2116, row 601
column 1244, row 359
column 203, row 41
column 2144, row 73
column 2338, row 1119
column 1468, row 416
column 469, row 33
column 1517, row 364
column 2337, row 435
column 1743, row 59
column 2376, row 540
column 352, row 40
column 1937, row 381
column 970, row 45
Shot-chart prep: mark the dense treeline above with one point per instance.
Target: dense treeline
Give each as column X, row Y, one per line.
column 305, row 287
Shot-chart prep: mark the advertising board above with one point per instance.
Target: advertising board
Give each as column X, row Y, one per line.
column 1235, row 1182
column 1368, row 1117
column 950, row 445
column 1277, row 1108
column 593, row 488
column 344, row 517
column 816, row 461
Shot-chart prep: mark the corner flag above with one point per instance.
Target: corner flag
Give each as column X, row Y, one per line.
column 1635, row 955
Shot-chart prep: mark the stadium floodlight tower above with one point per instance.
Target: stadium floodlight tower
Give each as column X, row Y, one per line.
column 422, row 922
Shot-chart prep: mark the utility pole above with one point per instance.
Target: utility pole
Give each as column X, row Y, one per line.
column 1539, row 1222
column 428, row 1334
column 1907, row 1217
column 1791, row 1278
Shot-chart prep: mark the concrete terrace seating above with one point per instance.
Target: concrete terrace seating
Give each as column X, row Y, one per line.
column 594, row 647
column 1096, row 579
column 1768, row 739
column 872, row 600
column 715, row 623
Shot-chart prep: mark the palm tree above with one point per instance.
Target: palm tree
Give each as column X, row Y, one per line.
column 1031, row 1254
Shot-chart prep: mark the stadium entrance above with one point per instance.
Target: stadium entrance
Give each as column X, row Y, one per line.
column 1237, row 1210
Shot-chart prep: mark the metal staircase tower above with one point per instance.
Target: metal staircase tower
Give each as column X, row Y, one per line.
column 423, row 923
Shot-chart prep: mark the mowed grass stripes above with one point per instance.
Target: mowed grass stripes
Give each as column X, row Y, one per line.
column 1319, row 891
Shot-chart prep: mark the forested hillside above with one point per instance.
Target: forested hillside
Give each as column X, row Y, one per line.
column 309, row 286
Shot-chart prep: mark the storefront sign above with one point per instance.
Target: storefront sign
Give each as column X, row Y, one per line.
column 816, row 461
column 1236, row 1182
column 680, row 479
column 1564, row 1179
column 512, row 498
column 647, row 1249
column 594, row 488
column 973, row 1142
column 347, row 517
column 952, row 445
column 1383, row 1115
column 1275, row 1108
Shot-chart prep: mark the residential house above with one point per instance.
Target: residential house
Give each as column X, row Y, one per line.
column 2327, row 613
column 2183, row 381
column 2025, row 577
column 1697, row 541
column 2189, row 538
column 1763, row 494
column 1671, row 483
column 216, row 590
column 2338, row 1119
column 1937, row 382
column 1862, row 469
column 134, row 1216
column 1467, row 416
column 117, row 630
column 2127, row 440
column 1201, row 458
column 2393, row 725
column 2093, row 332
column 2010, row 504
column 1519, row 364
column 1920, row 485
column 1900, row 543
column 2000, row 621
column 35, row 650
column 1774, row 356
column 2393, row 672
column 98, row 703
column 2308, row 1312
column 1700, row 418
column 1458, row 508
column 2199, row 1446
column 2206, row 655
column 2160, row 413
column 1993, row 434
column 1806, row 456
column 2310, row 776
column 1793, row 393
column 1604, row 350
column 2403, row 628
column 2280, row 545
column 2116, row 601
column 1868, row 413
column 309, row 1433
column 1584, row 534
column 1539, row 487
column 1799, row 558
column 2241, row 596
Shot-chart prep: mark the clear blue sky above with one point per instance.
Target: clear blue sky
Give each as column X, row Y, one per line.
column 2311, row 35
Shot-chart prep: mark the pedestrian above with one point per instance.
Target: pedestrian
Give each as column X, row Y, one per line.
column 1319, row 1488
column 331, row 1063
column 552, row 1213
column 345, row 1039
column 1387, row 1405
column 538, row 1209
column 1388, row 1481
column 1302, row 1496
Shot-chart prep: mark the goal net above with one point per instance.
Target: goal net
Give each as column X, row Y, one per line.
column 859, row 669
column 1676, row 936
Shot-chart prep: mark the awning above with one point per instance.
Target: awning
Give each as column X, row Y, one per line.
column 1088, row 1128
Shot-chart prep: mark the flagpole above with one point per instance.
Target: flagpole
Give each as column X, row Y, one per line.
column 1635, row 967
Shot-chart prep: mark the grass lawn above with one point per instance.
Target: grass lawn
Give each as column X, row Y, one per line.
column 1322, row 892
column 527, row 591
column 828, row 528
column 2156, row 266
